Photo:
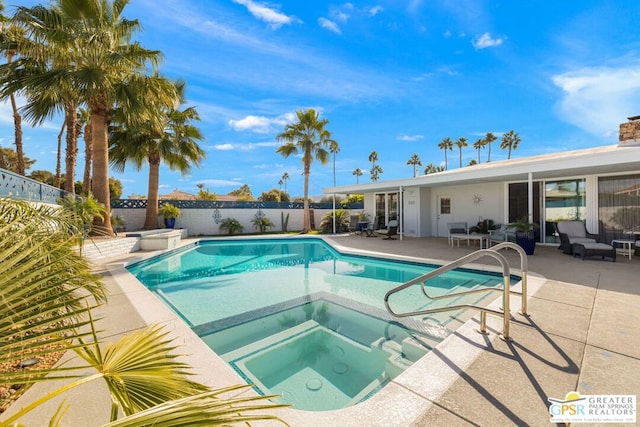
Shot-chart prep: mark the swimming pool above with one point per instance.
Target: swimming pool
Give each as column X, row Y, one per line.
column 298, row 319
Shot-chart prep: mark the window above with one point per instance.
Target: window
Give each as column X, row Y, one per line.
column 619, row 203
column 445, row 206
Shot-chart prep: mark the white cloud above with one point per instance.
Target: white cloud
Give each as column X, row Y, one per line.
column 273, row 17
column 375, row 10
column 261, row 124
column 244, row 147
column 409, row 137
column 218, row 182
column 598, row 99
column 329, row 25
column 485, row 40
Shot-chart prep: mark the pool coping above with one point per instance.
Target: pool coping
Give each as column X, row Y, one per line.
column 400, row 402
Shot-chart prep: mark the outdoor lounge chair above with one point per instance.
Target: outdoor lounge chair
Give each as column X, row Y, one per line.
column 572, row 232
column 390, row 231
column 504, row 233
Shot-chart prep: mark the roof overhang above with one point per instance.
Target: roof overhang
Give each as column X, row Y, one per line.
column 591, row 161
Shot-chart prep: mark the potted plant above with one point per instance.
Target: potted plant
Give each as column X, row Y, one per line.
column 170, row 213
column 525, row 234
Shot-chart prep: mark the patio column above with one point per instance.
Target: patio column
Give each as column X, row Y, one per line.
column 400, row 211
column 530, row 197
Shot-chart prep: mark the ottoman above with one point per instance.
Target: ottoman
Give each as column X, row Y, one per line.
column 594, row 249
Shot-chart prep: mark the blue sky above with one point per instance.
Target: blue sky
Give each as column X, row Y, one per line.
column 392, row 76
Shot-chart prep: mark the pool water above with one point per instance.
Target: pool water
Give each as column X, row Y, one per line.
column 298, row 319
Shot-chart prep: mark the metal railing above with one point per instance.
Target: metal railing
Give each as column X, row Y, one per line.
column 505, row 289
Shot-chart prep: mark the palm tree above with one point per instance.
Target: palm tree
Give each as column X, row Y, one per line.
column 357, row 173
column 478, row 145
column 334, row 149
column 45, row 282
column 510, row 141
column 414, row 160
column 461, row 143
column 432, row 169
column 9, row 39
column 168, row 137
column 285, row 178
column 488, row 139
column 446, row 144
column 376, row 170
column 107, row 70
column 309, row 137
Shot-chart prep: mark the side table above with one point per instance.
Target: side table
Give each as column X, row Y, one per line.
column 626, row 245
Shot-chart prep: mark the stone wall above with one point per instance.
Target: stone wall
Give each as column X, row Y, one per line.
column 630, row 133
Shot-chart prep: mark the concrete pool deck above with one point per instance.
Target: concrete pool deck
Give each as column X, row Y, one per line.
column 582, row 335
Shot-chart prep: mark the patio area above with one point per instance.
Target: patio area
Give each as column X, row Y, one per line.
column 582, row 335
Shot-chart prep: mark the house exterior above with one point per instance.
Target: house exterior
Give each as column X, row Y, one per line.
column 600, row 186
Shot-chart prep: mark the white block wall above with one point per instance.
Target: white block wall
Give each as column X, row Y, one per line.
column 202, row 222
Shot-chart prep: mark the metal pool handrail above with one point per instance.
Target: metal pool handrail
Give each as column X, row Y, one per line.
column 451, row 266
column 524, row 267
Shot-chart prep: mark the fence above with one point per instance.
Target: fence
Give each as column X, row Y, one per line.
column 19, row 187
column 203, row 218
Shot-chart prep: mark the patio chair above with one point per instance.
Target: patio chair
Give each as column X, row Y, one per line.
column 456, row 230
column 390, row 231
column 504, row 233
column 353, row 223
column 572, row 232
column 371, row 228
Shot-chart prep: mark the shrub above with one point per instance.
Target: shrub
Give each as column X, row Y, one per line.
column 231, row 226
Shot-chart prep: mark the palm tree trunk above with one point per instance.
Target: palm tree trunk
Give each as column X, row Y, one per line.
column 17, row 123
column 306, row 224
column 151, row 216
column 461, row 157
column 489, row 154
column 88, row 146
column 71, row 117
column 58, row 177
column 100, row 182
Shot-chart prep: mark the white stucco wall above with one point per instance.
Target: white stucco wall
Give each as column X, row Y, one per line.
column 464, row 208
column 203, row 222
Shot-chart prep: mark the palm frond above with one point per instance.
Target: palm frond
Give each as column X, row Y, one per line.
column 205, row 409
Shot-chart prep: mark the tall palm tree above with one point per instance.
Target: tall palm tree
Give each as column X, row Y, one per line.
column 107, row 70
column 414, row 161
column 376, row 170
column 167, row 137
column 10, row 34
column 334, row 148
column 461, row 143
column 357, row 173
column 309, row 137
column 488, row 139
column 447, row 145
column 479, row 145
column 285, row 178
column 510, row 141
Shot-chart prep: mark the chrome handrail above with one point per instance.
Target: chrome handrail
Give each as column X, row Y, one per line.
column 524, row 267
column 451, row 266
